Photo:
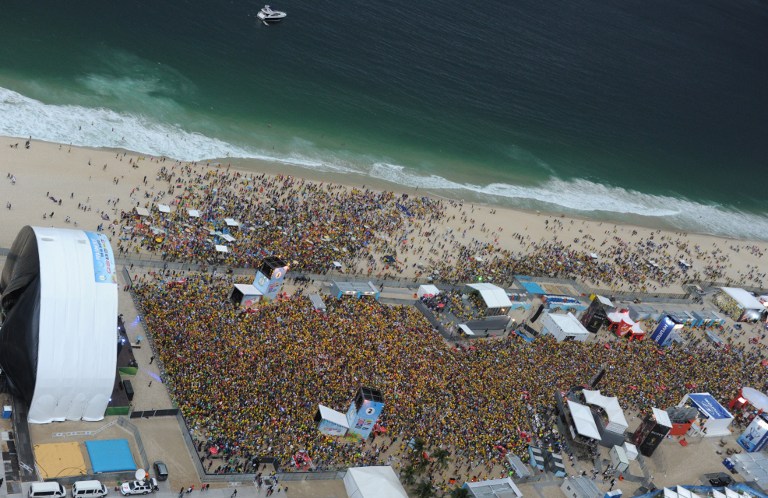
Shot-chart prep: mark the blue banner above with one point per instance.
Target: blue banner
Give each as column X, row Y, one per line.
column 103, row 259
column 663, row 332
column 709, row 405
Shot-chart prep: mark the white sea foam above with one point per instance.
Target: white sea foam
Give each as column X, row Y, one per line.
column 584, row 197
column 21, row 116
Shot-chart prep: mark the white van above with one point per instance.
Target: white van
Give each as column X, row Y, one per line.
column 89, row 489
column 46, row 490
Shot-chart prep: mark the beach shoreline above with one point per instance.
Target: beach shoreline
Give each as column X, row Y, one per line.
column 87, row 187
column 358, row 179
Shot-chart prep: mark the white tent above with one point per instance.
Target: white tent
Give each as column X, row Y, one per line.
column 141, row 211
column 604, row 300
column 563, row 327
column 756, row 398
column 494, row 297
column 76, row 351
column 227, row 237
column 164, row 208
column 427, row 290
column 662, row 417
column 585, row 422
column 247, row 294
column 463, row 327
column 193, row 213
column 743, row 298
column 373, row 482
column 332, row 423
column 617, row 422
column 220, row 248
column 231, row 222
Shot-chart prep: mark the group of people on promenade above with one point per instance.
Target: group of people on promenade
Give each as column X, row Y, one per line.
column 250, row 383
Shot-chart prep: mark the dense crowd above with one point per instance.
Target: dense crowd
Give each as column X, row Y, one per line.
column 251, row 382
column 387, row 235
column 310, row 224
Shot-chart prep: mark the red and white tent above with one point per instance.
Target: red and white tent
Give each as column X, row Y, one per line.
column 623, row 326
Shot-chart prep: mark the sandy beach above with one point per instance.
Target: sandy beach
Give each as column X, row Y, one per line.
column 58, row 185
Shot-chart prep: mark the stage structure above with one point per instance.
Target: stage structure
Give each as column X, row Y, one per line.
column 495, row 298
column 330, row 422
column 59, row 315
column 716, row 419
column 596, row 315
column 563, row 327
column 652, row 431
column 245, row 295
column 613, row 424
column 364, row 412
column 740, row 305
column 270, row 276
column 682, row 418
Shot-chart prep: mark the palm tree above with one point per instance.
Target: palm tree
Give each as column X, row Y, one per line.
column 425, row 490
column 408, row 475
column 418, row 445
column 459, row 493
column 421, row 463
column 442, row 457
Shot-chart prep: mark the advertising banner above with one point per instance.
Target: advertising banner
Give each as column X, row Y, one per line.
column 103, row 258
column 755, row 437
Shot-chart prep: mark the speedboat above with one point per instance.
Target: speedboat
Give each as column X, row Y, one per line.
column 266, row 14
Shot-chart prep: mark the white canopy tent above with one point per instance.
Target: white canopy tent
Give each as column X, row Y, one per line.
column 756, row 398
column 248, row 289
column 662, row 417
column 333, row 416
column 463, row 327
column 220, row 248
column 564, row 327
column 494, row 297
column 227, row 237
column 373, row 482
column 164, row 208
column 141, row 211
column 76, row 355
column 617, row 422
column 247, row 295
column 743, row 298
column 427, row 290
column 585, row 422
column 231, row 222
column 604, row 300
column 193, row 213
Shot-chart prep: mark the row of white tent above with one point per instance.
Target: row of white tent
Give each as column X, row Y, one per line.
column 192, row 213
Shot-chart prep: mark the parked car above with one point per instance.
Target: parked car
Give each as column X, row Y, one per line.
column 139, row 487
column 161, row 471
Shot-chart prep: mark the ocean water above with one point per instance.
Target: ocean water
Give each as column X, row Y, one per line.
column 650, row 112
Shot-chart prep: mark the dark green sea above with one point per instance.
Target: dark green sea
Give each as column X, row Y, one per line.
column 649, row 111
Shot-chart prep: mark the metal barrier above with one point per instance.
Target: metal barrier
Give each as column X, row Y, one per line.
column 123, row 422
column 171, row 412
column 432, row 319
column 311, row 476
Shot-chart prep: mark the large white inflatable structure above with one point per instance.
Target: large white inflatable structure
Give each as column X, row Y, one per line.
column 58, row 341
